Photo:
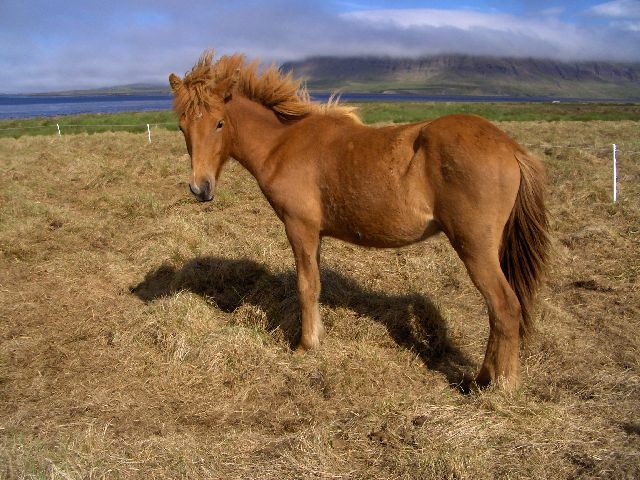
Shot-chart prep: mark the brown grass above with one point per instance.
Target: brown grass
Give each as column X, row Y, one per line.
column 143, row 335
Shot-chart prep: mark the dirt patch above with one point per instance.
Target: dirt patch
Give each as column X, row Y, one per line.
column 592, row 285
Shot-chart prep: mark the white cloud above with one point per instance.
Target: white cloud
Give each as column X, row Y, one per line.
column 548, row 29
column 430, row 17
column 623, row 15
column 469, row 31
column 616, row 9
column 421, row 17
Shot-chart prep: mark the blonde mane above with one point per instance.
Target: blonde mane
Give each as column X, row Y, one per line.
column 271, row 88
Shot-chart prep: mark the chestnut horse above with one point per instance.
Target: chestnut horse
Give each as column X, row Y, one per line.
column 326, row 174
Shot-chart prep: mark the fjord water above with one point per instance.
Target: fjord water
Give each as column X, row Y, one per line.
column 28, row 106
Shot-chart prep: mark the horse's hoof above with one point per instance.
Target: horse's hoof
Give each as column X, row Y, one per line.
column 483, row 380
column 304, row 347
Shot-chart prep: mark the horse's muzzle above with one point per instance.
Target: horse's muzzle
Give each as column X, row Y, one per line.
column 203, row 192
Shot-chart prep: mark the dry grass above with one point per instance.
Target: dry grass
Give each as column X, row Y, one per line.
column 143, row 335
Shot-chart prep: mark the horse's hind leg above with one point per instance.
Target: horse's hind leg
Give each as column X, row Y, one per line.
column 500, row 365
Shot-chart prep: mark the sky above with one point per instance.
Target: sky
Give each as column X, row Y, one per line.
column 49, row 46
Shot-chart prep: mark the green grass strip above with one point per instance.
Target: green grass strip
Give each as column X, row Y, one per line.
column 371, row 112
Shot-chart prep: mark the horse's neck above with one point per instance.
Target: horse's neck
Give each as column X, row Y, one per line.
column 255, row 131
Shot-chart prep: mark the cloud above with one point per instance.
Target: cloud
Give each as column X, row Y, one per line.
column 470, row 31
column 616, row 9
column 623, row 15
column 430, row 17
column 49, row 46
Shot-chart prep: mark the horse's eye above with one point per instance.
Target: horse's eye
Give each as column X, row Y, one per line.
column 220, row 124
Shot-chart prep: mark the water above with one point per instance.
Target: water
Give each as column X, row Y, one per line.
column 401, row 97
column 27, row 106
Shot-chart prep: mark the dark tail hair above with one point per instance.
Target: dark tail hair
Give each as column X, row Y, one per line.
column 525, row 241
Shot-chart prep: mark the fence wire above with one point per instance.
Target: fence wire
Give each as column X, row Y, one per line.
column 63, row 126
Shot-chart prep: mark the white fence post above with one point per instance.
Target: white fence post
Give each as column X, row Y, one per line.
column 615, row 175
column 58, row 125
column 149, row 132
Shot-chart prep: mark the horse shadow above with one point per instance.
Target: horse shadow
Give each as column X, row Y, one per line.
column 412, row 320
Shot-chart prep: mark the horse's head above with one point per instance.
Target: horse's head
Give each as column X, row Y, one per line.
column 205, row 130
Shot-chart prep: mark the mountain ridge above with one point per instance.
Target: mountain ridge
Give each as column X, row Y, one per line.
column 470, row 75
column 444, row 75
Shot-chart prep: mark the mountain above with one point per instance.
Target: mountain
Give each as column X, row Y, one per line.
column 470, row 75
column 447, row 75
column 130, row 89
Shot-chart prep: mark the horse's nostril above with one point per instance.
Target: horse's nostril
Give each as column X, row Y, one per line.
column 202, row 192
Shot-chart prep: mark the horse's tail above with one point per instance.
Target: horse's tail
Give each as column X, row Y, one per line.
column 525, row 241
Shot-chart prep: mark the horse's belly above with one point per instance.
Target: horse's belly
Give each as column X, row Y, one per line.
column 384, row 230
column 379, row 207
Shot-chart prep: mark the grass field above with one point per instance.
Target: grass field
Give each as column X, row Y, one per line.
column 371, row 112
column 144, row 335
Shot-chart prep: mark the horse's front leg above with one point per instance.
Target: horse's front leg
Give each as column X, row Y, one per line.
column 305, row 242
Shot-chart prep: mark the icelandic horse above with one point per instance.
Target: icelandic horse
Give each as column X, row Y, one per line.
column 326, row 174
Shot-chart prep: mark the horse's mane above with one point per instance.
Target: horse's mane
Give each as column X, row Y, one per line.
column 280, row 92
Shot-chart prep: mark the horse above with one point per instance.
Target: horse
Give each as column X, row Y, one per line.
column 325, row 173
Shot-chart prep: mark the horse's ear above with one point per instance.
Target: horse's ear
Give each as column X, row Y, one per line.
column 174, row 81
column 231, row 83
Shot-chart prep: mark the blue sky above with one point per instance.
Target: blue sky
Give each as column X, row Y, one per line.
column 47, row 45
